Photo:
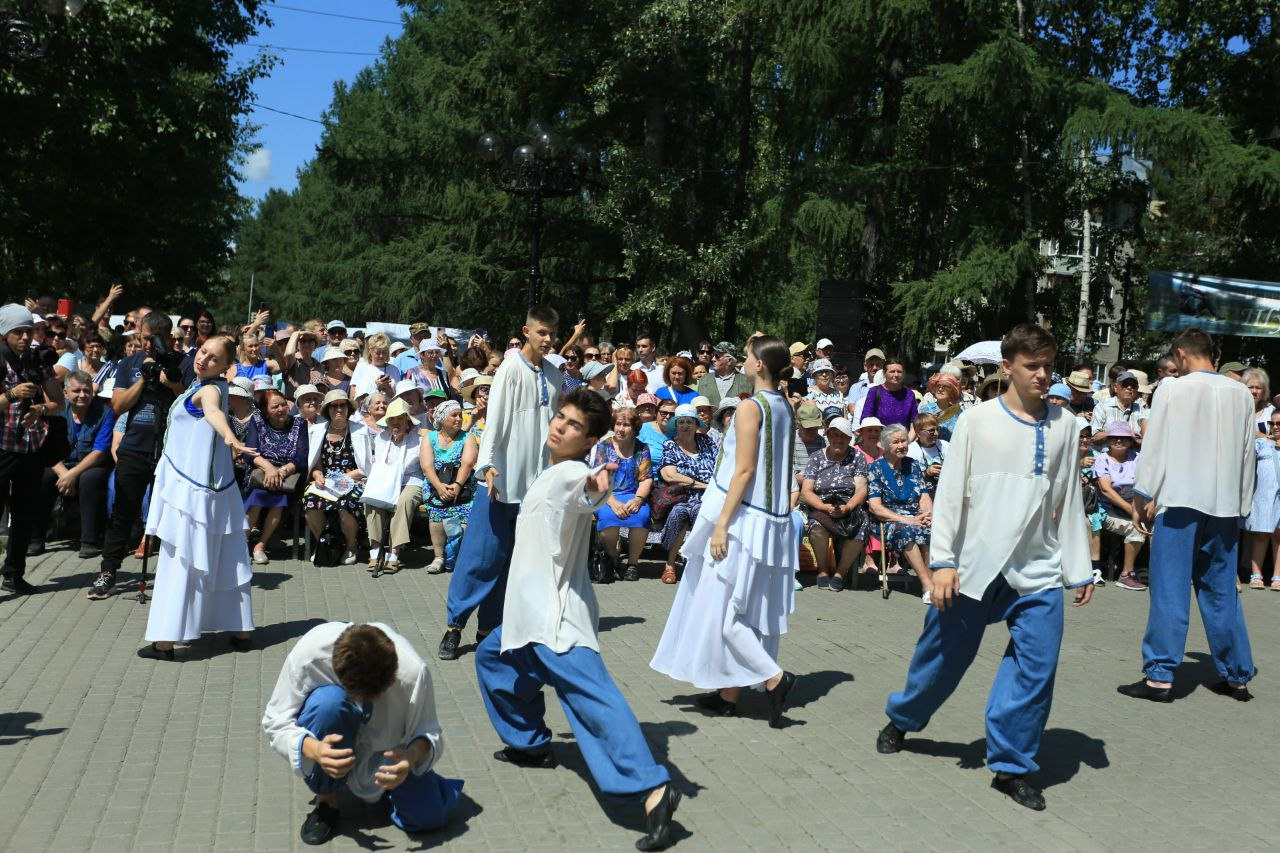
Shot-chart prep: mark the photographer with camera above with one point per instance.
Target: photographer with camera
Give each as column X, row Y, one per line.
column 147, row 383
column 30, row 395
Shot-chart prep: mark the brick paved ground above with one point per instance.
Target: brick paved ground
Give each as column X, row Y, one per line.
column 102, row 751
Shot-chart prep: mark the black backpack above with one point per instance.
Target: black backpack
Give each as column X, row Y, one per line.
column 328, row 550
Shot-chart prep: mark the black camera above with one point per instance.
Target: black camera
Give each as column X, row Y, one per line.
column 165, row 363
column 35, row 364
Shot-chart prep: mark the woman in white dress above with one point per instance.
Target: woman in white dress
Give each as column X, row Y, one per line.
column 203, row 571
column 731, row 610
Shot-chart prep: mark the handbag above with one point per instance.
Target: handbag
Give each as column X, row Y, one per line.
column 448, row 474
column 382, row 486
column 664, row 498
column 258, row 480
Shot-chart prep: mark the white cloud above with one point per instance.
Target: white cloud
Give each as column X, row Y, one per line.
column 257, row 167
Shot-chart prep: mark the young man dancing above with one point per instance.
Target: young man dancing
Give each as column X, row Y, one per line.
column 548, row 635
column 1009, row 533
column 513, row 452
column 1197, row 472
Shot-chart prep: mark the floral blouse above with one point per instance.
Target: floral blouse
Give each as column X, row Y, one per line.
column 701, row 467
column 632, row 470
column 898, row 490
column 835, row 481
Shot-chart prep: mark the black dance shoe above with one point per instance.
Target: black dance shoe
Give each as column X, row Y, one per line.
column 524, row 758
column 890, row 740
column 154, row 652
column 449, row 644
column 778, row 699
column 1141, row 690
column 717, row 704
column 1240, row 694
column 1022, row 792
column 320, row 825
column 657, row 822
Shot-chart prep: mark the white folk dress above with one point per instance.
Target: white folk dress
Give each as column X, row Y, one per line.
column 729, row 616
column 203, row 571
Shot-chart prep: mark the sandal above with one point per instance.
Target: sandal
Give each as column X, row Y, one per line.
column 1255, row 582
column 669, row 574
column 1275, row 582
column 373, row 564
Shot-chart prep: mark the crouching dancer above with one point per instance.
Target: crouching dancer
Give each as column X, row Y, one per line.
column 548, row 634
column 353, row 708
column 1008, row 535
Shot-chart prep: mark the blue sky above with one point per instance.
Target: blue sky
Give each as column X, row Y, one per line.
column 302, row 82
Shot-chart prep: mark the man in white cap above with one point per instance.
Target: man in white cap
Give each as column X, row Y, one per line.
column 823, row 348
column 872, row 365
column 22, row 433
column 336, row 331
column 1124, row 404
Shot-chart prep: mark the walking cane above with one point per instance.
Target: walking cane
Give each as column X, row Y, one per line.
column 884, row 564
column 383, row 545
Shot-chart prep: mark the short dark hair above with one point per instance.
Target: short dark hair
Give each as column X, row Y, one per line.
column 1027, row 339
column 364, row 659
column 1193, row 342
column 595, row 411
column 158, row 323
column 1115, row 370
column 544, row 314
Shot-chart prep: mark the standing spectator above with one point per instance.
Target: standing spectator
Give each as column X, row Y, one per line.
column 427, row 374
column 336, row 332
column 628, row 504
column 1233, row 370
column 892, row 402
column 724, row 380
column 676, row 375
column 1166, row 368
column 704, row 354
column 620, row 360
column 1122, row 405
column 375, row 372
column 338, row 455
column 945, row 404
column 447, row 460
column 281, row 442
column 334, row 378
column 1259, row 385
column 83, row 473
column 142, row 404
column 409, row 359
column 637, row 387
column 647, row 360
column 1080, row 382
column 1115, row 472
column 873, row 367
column 898, row 497
column 688, row 463
column 800, row 362
column 653, row 430
column 834, row 488
column 252, row 364
column 572, row 369
column 300, row 364
column 1263, row 522
column 823, row 392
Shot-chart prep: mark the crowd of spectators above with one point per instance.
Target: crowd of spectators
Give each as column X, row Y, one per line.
column 369, row 444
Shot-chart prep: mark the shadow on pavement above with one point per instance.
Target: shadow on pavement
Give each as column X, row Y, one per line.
column 754, row 705
column 1062, row 752
column 361, row 822
column 1197, row 668
column 264, row 637
column 16, row 726
column 608, row 623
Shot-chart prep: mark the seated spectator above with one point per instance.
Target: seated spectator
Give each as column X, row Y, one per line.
column 308, row 398
column 688, row 464
column 300, row 364
column 928, row 450
column 447, row 460
column 375, row 372
column 339, row 454
column 809, row 439
column 994, row 385
column 372, row 408
column 407, row 390
column 703, row 407
column 1059, row 394
column 699, row 371
column 1263, row 522
column 475, row 401
column 242, row 410
column 722, row 419
column 1259, row 385
column 823, row 393
column 628, row 505
column 571, row 370
column 281, row 441
column 393, row 489
column 1116, row 471
column 82, row 476
column 593, row 375
column 868, row 439
column 945, row 404
column 899, row 499
column 1122, row 405
column 655, row 417
column 677, row 374
column 252, row 364
column 893, row 402
column 834, row 488
column 637, row 387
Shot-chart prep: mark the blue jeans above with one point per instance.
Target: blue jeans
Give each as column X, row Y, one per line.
column 480, row 578
column 1019, row 702
column 606, row 730
column 418, row 804
column 1191, row 549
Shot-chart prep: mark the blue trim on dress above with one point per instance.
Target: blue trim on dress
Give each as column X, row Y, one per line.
column 1144, row 494
column 786, row 514
column 943, row 564
column 197, row 483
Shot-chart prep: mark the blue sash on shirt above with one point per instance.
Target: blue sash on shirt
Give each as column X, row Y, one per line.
column 901, row 490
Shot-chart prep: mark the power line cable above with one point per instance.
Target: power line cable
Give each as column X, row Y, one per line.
column 284, row 112
column 335, row 15
column 311, row 49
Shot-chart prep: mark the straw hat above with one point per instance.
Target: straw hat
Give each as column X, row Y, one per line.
column 468, row 391
column 307, row 390
column 1079, row 380
column 337, row 395
column 397, row 409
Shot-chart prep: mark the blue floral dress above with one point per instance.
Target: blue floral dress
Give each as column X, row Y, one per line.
column 447, row 462
column 632, row 472
column 900, row 492
column 701, row 467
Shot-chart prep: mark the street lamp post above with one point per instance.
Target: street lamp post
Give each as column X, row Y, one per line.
column 537, row 170
column 19, row 38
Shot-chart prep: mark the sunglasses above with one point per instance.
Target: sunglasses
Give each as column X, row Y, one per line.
column 663, row 414
column 705, row 351
column 187, row 328
column 593, row 355
column 570, row 357
column 57, row 334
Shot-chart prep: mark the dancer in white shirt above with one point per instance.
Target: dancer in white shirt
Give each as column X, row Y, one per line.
column 512, row 454
column 203, row 571
column 354, row 708
column 1008, row 535
column 1195, row 482
column 548, row 634
column 731, row 609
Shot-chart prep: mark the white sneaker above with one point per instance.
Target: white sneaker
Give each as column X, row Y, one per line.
column 348, row 558
column 260, row 556
column 927, row 598
column 436, row 566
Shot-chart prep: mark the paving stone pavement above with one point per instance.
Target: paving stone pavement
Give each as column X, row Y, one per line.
column 103, row 751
